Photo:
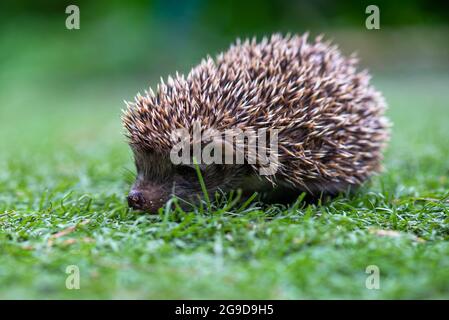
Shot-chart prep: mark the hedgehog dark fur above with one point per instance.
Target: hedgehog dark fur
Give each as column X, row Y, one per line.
column 330, row 120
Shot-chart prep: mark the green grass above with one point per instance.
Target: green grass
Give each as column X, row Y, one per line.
column 64, row 164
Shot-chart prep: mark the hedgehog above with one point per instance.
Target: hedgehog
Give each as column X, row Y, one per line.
column 328, row 121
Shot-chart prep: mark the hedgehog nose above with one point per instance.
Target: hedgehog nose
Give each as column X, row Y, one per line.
column 136, row 200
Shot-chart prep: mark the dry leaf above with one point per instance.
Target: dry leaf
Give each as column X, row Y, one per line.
column 65, row 232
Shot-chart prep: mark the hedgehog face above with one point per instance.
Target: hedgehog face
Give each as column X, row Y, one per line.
column 158, row 179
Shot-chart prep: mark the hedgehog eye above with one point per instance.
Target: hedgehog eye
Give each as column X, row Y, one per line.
column 184, row 170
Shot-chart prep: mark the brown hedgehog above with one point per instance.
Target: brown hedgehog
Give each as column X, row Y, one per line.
column 327, row 119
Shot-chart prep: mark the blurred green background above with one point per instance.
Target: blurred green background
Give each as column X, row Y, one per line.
column 121, row 48
column 63, row 156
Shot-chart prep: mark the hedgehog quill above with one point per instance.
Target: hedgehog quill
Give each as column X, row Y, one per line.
column 328, row 121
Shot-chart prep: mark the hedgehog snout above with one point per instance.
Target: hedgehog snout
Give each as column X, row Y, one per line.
column 136, row 200
column 145, row 200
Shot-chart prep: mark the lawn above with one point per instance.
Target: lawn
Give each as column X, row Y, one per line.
column 64, row 175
